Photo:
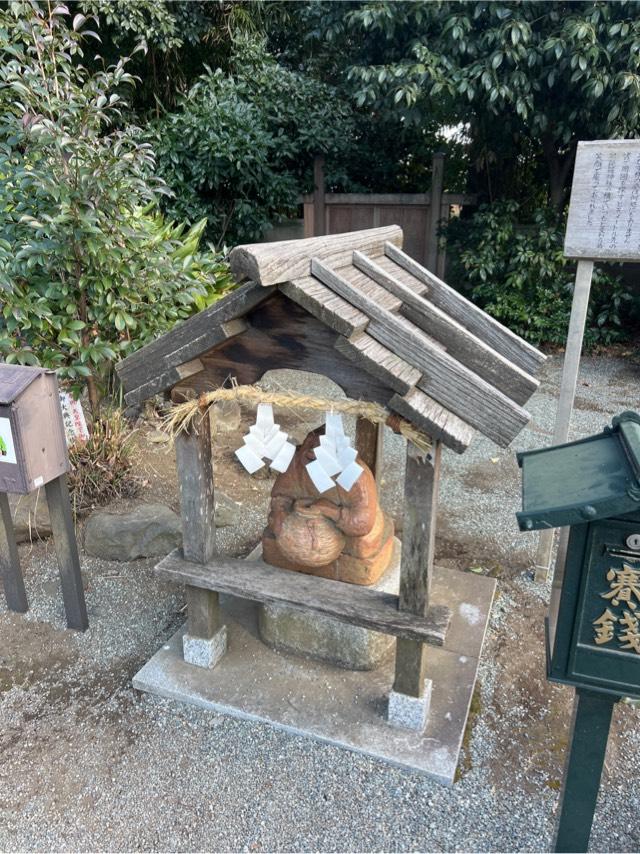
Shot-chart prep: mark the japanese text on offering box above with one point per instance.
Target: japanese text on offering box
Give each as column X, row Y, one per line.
column 604, row 217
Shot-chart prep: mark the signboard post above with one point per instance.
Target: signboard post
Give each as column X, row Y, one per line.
column 604, row 225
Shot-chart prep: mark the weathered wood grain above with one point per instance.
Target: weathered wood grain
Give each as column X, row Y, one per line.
column 194, row 463
column 66, row 546
column 282, row 334
column 10, row 571
column 470, row 316
column 466, row 347
column 433, row 419
column 322, row 303
column 379, row 361
column 369, row 286
column 284, row 260
column 421, row 484
column 369, row 445
column 443, row 377
column 188, row 339
column 349, row 603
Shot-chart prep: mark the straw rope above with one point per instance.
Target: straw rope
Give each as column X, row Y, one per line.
column 182, row 414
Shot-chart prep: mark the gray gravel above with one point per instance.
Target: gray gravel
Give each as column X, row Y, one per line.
column 86, row 763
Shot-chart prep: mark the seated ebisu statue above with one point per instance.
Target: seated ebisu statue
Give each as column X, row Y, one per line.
column 340, row 534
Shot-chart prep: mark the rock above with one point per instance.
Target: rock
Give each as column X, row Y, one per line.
column 30, row 516
column 148, row 530
column 227, row 510
column 225, row 417
column 157, row 437
column 289, row 629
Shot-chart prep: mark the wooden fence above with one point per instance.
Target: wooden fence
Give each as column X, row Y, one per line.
column 333, row 213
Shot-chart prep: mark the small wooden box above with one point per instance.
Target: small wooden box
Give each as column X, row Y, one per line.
column 33, row 448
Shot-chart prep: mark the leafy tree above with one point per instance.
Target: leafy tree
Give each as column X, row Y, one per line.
column 520, row 276
column 528, row 79
column 240, row 146
column 87, row 272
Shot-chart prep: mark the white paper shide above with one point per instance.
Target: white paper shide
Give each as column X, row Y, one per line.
column 265, row 441
column 335, row 461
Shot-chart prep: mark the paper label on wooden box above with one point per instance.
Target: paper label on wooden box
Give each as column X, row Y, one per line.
column 604, row 211
column 7, row 448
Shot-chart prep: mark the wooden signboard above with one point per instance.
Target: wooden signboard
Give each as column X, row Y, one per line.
column 603, row 225
column 604, row 212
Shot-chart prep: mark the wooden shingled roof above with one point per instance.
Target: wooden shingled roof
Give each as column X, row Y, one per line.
column 450, row 367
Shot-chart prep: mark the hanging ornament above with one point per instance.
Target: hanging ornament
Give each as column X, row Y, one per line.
column 334, row 456
column 265, row 440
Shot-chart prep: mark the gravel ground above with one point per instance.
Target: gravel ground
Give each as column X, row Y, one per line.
column 86, row 763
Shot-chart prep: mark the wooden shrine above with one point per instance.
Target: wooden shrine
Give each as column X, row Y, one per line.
column 359, row 310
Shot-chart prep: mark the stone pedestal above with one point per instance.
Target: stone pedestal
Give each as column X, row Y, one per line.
column 291, row 630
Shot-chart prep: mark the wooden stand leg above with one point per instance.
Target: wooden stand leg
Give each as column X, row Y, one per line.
column 66, row 546
column 409, row 700
column 10, row 571
column 589, row 734
column 205, row 641
column 369, row 443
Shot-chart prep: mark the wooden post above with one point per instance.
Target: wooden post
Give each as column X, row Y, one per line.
column 205, row 641
column 369, row 445
column 435, row 205
column 66, row 546
column 10, row 571
column 441, row 263
column 319, row 206
column 570, row 369
column 418, row 546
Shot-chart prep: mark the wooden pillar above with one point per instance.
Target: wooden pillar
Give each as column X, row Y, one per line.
column 10, row 572
column 319, row 204
column 435, row 205
column 66, row 546
column 197, row 505
column 369, row 444
column 418, row 547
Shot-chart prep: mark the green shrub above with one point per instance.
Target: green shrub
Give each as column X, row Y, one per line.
column 519, row 275
column 239, row 148
column 88, row 273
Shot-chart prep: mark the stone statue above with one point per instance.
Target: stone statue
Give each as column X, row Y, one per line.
column 339, row 534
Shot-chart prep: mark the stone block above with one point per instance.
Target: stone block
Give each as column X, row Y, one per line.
column 205, row 652
column 288, row 629
column 409, row 712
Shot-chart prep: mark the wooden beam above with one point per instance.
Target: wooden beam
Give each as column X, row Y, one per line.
column 319, row 211
column 284, row 260
column 171, row 370
column 348, row 603
column 433, row 419
column 194, row 463
column 369, row 444
column 458, row 341
column 10, row 572
column 379, row 361
column 323, row 304
column 446, row 380
column 391, row 199
column 421, row 484
column 433, row 222
column 188, row 339
column 470, row 316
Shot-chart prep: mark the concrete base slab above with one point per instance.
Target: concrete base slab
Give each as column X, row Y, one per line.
column 342, row 707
